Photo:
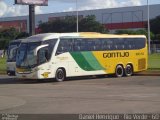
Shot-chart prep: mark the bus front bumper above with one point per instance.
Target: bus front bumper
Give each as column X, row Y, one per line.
column 27, row 75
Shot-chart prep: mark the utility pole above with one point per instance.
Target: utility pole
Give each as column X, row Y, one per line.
column 149, row 38
column 32, row 20
column 77, row 14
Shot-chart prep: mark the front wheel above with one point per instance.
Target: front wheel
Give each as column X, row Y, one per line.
column 119, row 71
column 60, row 75
column 129, row 70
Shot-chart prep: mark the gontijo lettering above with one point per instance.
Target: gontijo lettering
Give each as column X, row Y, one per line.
column 115, row 54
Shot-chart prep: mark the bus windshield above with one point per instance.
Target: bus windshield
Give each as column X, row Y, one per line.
column 25, row 55
column 11, row 52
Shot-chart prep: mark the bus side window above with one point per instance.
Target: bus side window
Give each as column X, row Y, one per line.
column 104, row 44
column 98, row 44
column 51, row 44
column 65, row 45
column 125, row 44
column 139, row 43
column 43, row 55
column 118, row 43
column 110, row 43
column 76, row 45
column 77, row 48
column 84, row 45
column 131, row 44
column 89, row 45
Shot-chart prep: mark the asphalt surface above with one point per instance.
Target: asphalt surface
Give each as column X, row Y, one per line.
column 136, row 94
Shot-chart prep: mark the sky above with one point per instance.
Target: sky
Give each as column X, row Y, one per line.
column 9, row 9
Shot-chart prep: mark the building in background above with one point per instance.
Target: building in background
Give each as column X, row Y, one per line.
column 113, row 18
column 20, row 25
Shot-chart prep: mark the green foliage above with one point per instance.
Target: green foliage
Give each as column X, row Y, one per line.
column 10, row 34
column 154, row 61
column 155, row 25
column 22, row 35
column 157, row 37
column 136, row 32
column 64, row 25
column 87, row 24
column 3, row 43
column 3, row 65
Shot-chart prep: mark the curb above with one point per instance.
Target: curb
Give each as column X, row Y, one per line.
column 148, row 73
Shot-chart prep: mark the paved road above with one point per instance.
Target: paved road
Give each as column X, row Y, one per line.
column 136, row 94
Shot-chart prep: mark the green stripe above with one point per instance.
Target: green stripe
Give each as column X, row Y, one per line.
column 92, row 60
column 81, row 61
column 86, row 61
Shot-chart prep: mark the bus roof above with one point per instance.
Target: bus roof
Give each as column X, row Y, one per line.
column 100, row 35
column 17, row 40
column 46, row 36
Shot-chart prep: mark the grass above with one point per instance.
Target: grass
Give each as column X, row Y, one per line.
column 2, row 65
column 154, row 63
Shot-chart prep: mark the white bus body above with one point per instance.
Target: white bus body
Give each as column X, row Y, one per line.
column 60, row 55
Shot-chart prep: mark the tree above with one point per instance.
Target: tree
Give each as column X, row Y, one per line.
column 22, row 35
column 87, row 24
column 63, row 25
column 7, row 35
column 136, row 32
column 155, row 25
column 10, row 33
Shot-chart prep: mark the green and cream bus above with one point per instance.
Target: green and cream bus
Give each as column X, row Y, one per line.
column 61, row 55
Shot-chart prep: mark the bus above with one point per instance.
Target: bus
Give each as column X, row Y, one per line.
column 11, row 56
column 61, row 55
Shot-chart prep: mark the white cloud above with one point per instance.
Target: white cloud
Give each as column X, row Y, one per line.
column 13, row 10
column 3, row 8
column 131, row 3
column 16, row 10
column 99, row 4
column 20, row 10
column 69, row 9
column 38, row 10
column 136, row 2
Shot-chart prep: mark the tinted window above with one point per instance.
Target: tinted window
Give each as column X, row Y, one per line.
column 130, row 43
column 43, row 55
column 87, row 44
column 80, row 45
column 140, row 43
column 107, row 44
column 100, row 44
column 119, row 44
column 51, row 44
column 65, row 45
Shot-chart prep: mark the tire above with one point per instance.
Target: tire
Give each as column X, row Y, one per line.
column 60, row 75
column 119, row 71
column 128, row 70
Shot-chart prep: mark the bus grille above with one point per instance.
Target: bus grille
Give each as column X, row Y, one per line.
column 141, row 64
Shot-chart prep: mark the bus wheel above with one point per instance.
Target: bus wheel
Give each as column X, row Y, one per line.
column 128, row 70
column 60, row 75
column 119, row 71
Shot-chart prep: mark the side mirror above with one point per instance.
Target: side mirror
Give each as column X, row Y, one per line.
column 39, row 47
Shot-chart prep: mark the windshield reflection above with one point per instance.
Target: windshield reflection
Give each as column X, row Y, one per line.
column 11, row 52
column 25, row 55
